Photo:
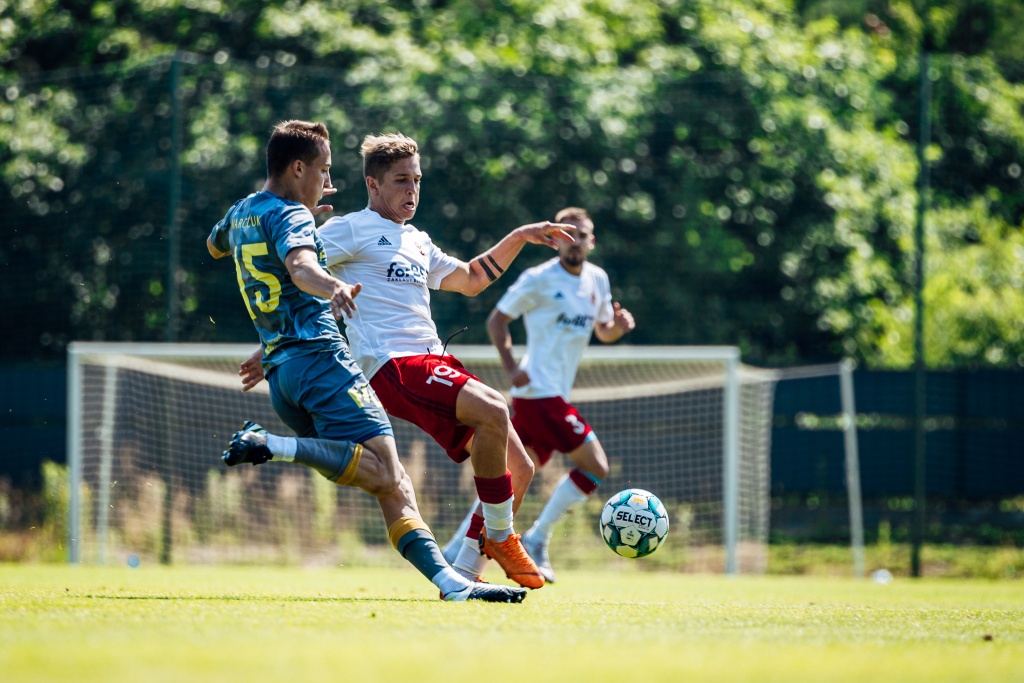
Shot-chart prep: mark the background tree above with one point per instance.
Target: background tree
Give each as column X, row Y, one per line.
column 750, row 165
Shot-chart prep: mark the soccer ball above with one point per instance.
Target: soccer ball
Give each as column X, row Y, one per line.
column 634, row 523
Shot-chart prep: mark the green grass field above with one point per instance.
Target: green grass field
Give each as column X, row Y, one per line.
column 152, row 624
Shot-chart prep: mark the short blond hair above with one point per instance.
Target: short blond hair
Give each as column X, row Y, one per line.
column 379, row 152
column 574, row 214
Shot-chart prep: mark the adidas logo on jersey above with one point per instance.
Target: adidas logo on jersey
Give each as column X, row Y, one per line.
column 383, row 242
column 559, row 295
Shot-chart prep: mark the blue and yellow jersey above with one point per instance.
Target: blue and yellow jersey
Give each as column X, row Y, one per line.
column 259, row 231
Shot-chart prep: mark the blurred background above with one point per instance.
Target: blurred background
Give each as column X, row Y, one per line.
column 754, row 170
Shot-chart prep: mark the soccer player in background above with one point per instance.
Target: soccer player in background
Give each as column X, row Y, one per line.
column 396, row 343
column 561, row 301
column 315, row 386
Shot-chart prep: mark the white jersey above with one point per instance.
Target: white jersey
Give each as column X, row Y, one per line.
column 397, row 265
column 559, row 310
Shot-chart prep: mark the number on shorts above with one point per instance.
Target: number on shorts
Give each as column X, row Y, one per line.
column 577, row 426
column 439, row 372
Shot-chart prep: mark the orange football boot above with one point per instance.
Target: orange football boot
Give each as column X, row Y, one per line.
column 512, row 557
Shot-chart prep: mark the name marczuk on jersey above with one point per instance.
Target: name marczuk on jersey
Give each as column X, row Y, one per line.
column 406, row 272
column 582, row 322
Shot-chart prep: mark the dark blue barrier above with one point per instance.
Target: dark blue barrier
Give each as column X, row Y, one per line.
column 975, row 444
column 33, row 412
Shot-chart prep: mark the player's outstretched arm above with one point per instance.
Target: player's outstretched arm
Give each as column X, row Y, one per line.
column 308, row 276
column 619, row 325
column 497, row 329
column 474, row 277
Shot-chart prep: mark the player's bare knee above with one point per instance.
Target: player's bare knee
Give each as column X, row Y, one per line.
column 494, row 413
column 386, row 475
column 392, row 477
column 386, row 487
column 389, row 480
column 383, row 485
column 482, row 406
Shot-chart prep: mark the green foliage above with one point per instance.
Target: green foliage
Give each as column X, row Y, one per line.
column 56, row 499
column 750, row 165
column 325, row 496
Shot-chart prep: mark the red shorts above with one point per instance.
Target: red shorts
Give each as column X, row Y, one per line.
column 423, row 390
column 548, row 424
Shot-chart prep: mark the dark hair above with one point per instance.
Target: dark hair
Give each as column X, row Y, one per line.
column 575, row 214
column 381, row 151
column 295, row 140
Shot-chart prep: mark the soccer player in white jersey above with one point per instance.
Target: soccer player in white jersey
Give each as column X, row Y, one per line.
column 561, row 301
column 396, row 343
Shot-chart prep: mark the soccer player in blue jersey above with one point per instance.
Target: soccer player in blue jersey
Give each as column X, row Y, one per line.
column 315, row 386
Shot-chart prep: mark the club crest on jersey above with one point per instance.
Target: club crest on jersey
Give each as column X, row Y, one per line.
column 399, row 271
column 422, row 249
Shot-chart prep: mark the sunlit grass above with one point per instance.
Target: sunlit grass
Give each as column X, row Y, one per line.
column 159, row 624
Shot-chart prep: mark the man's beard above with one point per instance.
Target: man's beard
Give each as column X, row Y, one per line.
column 573, row 258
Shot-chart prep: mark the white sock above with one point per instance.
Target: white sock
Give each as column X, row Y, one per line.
column 455, row 543
column 282, row 447
column 565, row 495
column 498, row 520
column 469, row 562
column 448, row 581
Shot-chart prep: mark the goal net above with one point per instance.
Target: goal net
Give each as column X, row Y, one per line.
column 148, row 423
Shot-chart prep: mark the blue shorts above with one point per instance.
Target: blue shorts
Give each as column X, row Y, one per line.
column 325, row 395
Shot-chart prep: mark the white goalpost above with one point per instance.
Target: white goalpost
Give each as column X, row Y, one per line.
column 147, row 424
column 845, row 422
